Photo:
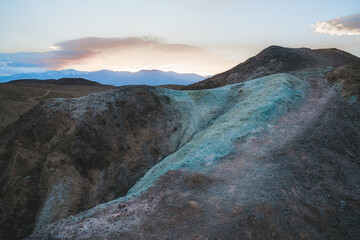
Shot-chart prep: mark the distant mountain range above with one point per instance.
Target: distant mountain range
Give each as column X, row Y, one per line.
column 107, row 77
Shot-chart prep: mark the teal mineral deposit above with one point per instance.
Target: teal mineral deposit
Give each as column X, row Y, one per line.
column 224, row 115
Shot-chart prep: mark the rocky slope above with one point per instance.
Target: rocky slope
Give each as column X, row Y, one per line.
column 281, row 162
column 18, row 97
column 67, row 155
column 276, row 59
column 273, row 157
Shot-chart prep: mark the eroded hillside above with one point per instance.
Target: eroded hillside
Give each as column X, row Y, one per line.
column 267, row 157
column 281, row 161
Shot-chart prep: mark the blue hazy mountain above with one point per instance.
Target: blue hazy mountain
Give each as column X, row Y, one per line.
column 148, row 77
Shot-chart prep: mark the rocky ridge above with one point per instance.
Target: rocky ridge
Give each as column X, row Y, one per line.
column 276, row 59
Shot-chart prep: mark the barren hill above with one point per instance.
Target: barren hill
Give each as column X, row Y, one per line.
column 274, row 157
column 276, row 59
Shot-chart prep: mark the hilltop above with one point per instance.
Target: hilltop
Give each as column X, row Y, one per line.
column 276, row 59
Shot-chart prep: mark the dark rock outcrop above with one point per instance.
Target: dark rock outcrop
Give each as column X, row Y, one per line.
column 349, row 79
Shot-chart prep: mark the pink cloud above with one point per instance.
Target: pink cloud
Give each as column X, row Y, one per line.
column 129, row 54
column 339, row 26
column 138, row 53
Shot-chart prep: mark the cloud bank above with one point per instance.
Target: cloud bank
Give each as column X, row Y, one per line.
column 339, row 26
column 122, row 54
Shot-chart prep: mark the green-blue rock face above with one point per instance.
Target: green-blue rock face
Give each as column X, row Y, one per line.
column 223, row 116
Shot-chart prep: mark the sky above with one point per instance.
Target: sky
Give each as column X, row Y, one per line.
column 188, row 36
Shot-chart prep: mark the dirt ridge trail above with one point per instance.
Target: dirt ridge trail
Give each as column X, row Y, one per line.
column 247, row 163
column 296, row 121
column 305, row 167
column 38, row 97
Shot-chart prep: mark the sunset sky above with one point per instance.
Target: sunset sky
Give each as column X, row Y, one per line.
column 187, row 36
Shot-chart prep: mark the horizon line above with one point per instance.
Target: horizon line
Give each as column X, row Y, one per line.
column 124, row 71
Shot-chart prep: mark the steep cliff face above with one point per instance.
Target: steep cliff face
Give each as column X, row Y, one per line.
column 276, row 59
